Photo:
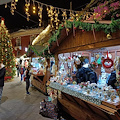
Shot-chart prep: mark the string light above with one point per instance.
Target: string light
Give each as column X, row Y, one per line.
column 40, row 8
column 6, row 5
column 53, row 12
column 51, row 15
column 56, row 18
column 64, row 15
column 27, row 5
column 34, row 8
column 13, row 6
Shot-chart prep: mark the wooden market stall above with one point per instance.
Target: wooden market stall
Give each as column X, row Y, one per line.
column 39, row 80
column 78, row 41
column 39, row 43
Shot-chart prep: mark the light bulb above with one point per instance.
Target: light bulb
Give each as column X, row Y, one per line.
column 6, row 5
column 26, row 9
column 34, row 7
column 33, row 11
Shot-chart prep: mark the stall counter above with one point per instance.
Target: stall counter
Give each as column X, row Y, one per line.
column 84, row 107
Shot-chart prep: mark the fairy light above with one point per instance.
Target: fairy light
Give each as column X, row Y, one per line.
column 72, row 15
column 27, row 5
column 6, row 5
column 34, row 8
column 51, row 15
column 64, row 15
column 40, row 8
column 13, row 6
column 56, row 18
column 77, row 16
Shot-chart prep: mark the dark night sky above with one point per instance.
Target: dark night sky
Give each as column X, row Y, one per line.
column 16, row 22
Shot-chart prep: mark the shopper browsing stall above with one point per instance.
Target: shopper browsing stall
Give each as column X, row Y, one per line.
column 18, row 70
column 85, row 74
column 27, row 79
column 22, row 70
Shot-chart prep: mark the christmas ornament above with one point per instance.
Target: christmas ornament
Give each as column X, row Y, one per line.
column 80, row 27
column 83, row 30
column 75, row 28
column 109, row 36
column 107, row 63
column 68, row 29
column 77, row 61
column 62, row 25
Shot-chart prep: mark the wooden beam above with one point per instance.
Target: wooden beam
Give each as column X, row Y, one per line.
column 102, row 21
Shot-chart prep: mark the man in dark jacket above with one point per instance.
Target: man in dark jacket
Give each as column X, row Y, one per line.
column 85, row 74
column 2, row 75
column 27, row 79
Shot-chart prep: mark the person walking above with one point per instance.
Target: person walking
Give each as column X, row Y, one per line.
column 2, row 75
column 18, row 70
column 22, row 70
column 27, row 79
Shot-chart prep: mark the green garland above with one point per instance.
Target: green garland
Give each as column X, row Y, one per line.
column 107, row 28
column 37, row 53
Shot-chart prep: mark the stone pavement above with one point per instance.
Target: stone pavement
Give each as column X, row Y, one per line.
column 16, row 105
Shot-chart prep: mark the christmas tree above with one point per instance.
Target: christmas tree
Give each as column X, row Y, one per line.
column 6, row 51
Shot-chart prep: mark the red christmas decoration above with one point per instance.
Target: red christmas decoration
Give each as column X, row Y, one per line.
column 7, row 77
column 75, row 28
column 62, row 25
column 83, row 30
column 119, row 73
column 108, row 60
column 2, row 18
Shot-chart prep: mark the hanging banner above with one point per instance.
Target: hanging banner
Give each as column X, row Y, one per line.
column 4, row 1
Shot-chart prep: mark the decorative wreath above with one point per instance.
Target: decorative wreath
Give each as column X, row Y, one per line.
column 107, row 63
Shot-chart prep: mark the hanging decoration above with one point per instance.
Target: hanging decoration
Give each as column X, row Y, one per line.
column 51, row 15
column 40, row 8
column 13, row 6
column 107, row 63
column 27, row 5
column 34, row 8
column 56, row 13
column 109, row 36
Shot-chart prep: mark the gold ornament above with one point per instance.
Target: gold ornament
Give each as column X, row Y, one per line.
column 67, row 29
column 109, row 36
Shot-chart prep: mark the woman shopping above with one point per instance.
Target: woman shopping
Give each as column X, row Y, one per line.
column 27, row 79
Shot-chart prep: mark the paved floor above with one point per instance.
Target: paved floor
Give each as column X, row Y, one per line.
column 16, row 105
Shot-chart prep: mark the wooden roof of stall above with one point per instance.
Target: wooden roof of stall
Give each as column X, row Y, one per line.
column 84, row 41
